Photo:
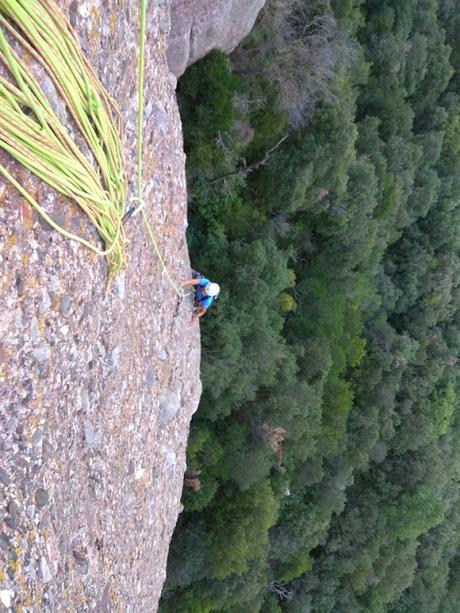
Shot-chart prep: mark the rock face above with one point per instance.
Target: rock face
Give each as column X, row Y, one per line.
column 97, row 383
column 198, row 26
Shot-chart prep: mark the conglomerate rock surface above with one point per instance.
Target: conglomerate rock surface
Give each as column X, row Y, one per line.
column 97, row 383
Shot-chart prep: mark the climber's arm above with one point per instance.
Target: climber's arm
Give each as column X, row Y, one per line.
column 199, row 313
column 190, row 282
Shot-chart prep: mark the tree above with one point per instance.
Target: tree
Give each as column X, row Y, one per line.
column 416, row 513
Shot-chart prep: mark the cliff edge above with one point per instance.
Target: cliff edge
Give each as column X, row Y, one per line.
column 98, row 382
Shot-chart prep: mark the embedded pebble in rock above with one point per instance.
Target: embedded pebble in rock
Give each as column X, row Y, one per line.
column 30, row 510
column 13, row 509
column 169, row 407
column 34, row 330
column 41, row 498
column 6, row 597
column 149, row 379
column 161, row 119
column 45, row 301
column 56, row 102
column 54, row 284
column 42, row 353
column 11, row 522
column 84, row 400
column 66, row 304
column 4, row 541
column 6, row 318
column 140, row 472
column 170, row 458
column 120, row 285
column 90, row 435
column 24, row 488
column 114, row 356
column 37, row 439
column 45, row 571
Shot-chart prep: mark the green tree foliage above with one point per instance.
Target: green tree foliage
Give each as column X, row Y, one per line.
column 327, row 441
column 206, row 93
column 415, row 514
column 239, row 528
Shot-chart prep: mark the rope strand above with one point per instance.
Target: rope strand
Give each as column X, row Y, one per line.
column 140, row 121
column 40, row 142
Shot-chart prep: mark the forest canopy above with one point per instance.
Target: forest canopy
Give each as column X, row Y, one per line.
column 323, row 164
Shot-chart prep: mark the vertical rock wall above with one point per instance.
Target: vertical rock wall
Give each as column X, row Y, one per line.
column 97, row 383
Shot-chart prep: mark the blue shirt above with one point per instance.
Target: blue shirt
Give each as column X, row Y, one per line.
column 205, row 301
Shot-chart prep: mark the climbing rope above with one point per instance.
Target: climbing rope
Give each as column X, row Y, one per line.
column 32, row 133
column 140, row 121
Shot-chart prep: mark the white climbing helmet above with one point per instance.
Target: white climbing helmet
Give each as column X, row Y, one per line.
column 212, row 289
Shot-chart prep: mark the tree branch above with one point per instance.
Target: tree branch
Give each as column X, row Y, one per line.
column 245, row 170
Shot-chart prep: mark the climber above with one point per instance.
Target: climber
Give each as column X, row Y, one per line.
column 205, row 293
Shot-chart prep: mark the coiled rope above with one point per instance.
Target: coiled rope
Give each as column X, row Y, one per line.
column 33, row 134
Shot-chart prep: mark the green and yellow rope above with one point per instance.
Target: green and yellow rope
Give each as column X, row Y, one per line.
column 32, row 133
column 140, row 121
